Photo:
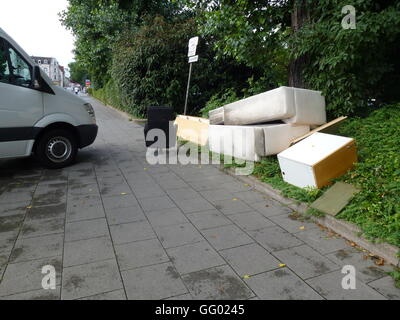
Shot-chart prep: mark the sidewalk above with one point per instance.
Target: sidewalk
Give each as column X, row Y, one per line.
column 115, row 227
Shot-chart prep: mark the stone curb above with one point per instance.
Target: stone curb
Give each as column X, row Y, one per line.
column 345, row 229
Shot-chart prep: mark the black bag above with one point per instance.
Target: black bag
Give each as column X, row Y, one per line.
column 159, row 118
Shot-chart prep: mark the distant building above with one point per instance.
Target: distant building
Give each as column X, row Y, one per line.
column 52, row 68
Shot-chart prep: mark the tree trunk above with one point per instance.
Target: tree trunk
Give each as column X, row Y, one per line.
column 300, row 16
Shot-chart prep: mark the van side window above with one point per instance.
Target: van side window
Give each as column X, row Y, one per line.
column 4, row 70
column 21, row 71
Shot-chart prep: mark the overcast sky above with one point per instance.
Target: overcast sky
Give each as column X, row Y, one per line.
column 35, row 25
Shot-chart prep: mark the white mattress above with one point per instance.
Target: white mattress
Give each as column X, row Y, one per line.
column 309, row 108
column 216, row 116
column 253, row 142
column 292, row 105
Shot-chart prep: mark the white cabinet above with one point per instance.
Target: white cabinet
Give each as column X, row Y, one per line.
column 316, row 160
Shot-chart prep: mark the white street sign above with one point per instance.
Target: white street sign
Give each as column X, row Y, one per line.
column 193, row 59
column 193, row 42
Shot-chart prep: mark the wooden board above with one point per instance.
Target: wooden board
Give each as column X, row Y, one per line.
column 193, row 129
column 330, row 127
column 335, row 199
column 335, row 165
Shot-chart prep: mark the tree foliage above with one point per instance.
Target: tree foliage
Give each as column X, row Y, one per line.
column 78, row 73
column 150, row 67
column 98, row 24
column 356, row 69
column 351, row 67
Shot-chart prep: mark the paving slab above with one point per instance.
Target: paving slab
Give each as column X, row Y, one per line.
column 152, row 283
column 113, row 295
column 322, row 241
column 88, row 251
column 232, row 206
column 7, row 240
column 12, row 196
column 275, row 238
column 386, row 287
column 82, row 202
column 270, row 208
column 183, row 194
column 194, row 205
column 194, row 257
column 226, row 237
column 148, row 191
column 330, row 287
column 178, row 235
column 40, row 294
column 184, row 297
column 42, row 227
column 251, row 221
column 217, row 195
column 139, row 254
column 251, row 196
column 208, row 219
column 131, row 232
column 89, row 213
column 219, row 283
column 11, row 223
column 335, row 199
column 87, row 229
column 250, row 259
column 15, row 208
column 119, row 201
column 305, row 261
column 46, row 212
column 27, row 276
column 366, row 269
column 37, row 248
column 281, row 284
column 125, row 215
column 90, row 279
column 292, row 223
column 157, row 203
column 166, row 217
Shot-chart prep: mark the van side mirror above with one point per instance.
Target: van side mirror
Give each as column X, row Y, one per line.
column 36, row 77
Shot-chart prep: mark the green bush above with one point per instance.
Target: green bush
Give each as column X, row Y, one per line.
column 150, row 67
column 354, row 68
column 219, row 100
column 253, row 86
column 109, row 95
column 376, row 209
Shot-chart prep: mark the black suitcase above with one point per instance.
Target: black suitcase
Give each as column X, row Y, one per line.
column 159, row 118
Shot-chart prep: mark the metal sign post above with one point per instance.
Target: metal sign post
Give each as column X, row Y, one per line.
column 188, row 87
column 193, row 42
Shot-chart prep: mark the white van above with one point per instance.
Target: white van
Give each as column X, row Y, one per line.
column 37, row 117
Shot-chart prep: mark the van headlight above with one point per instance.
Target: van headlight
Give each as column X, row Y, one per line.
column 90, row 110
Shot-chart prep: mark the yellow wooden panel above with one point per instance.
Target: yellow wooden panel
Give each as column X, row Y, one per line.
column 335, row 165
column 330, row 127
column 193, row 129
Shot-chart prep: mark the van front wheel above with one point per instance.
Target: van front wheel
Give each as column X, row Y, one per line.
column 56, row 149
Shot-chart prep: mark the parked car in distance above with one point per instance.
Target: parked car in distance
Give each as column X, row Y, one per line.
column 36, row 117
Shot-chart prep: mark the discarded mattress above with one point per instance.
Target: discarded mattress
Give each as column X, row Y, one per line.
column 292, row 105
column 253, row 142
column 216, row 116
